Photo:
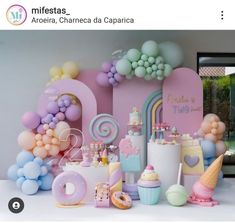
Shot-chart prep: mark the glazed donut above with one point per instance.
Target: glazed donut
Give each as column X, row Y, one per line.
column 59, row 184
column 121, row 200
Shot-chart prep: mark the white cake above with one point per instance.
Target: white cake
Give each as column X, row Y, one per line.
column 165, row 158
column 135, row 117
column 92, row 175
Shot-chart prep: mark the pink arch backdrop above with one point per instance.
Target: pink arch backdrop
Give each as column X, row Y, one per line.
column 81, row 91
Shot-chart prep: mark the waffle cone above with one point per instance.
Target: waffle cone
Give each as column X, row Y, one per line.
column 210, row 177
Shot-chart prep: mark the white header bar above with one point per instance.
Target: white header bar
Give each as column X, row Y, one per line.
column 118, row 14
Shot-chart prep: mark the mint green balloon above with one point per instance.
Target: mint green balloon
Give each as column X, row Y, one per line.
column 154, row 67
column 167, row 70
column 151, row 60
column 134, row 64
column 140, row 71
column 149, row 70
column 150, row 48
column 123, row 67
column 159, row 60
column 160, row 78
column 160, row 66
column 146, row 64
column 141, row 63
column 154, row 74
column 148, row 77
column 144, row 57
column 159, row 73
column 133, row 55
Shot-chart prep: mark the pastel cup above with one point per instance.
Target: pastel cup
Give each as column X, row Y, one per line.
column 149, row 192
column 176, row 195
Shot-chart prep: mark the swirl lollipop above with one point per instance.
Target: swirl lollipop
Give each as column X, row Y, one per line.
column 104, row 127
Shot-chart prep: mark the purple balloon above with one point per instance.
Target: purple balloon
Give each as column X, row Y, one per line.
column 118, row 77
column 52, row 107
column 60, row 103
column 31, row 120
column 67, row 102
column 106, row 66
column 41, row 130
column 66, row 97
column 114, row 63
column 113, row 70
column 102, row 79
column 55, row 120
column 73, row 112
column 52, row 125
column 112, row 80
column 63, row 109
column 110, row 74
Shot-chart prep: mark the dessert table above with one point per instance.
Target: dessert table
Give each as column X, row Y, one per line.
column 42, row 206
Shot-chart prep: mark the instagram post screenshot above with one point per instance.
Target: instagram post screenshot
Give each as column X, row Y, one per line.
column 117, row 111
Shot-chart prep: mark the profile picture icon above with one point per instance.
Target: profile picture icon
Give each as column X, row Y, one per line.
column 16, row 15
column 16, row 205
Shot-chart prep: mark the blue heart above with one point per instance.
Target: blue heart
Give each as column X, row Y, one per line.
column 191, row 160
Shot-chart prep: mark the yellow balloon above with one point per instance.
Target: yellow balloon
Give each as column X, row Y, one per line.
column 55, row 71
column 71, row 68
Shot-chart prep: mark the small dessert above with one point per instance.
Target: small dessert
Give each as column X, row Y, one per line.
column 121, row 200
column 177, row 195
column 102, row 194
column 149, row 186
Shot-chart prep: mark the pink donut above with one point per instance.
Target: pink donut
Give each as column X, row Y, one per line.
column 58, row 188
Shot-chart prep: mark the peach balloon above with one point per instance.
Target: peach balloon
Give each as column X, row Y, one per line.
column 211, row 137
column 221, row 127
column 26, row 140
column 62, row 130
column 214, row 131
column 211, row 117
column 220, row 148
column 206, row 127
column 214, row 125
column 46, row 139
column 40, row 152
column 219, row 136
column 200, row 133
column 64, row 145
column 54, row 150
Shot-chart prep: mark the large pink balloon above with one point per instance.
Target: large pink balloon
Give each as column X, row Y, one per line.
column 31, row 120
column 211, row 137
column 26, row 140
column 220, row 148
column 221, row 127
column 206, row 127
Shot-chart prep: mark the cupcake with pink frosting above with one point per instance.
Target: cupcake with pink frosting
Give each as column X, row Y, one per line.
column 149, row 186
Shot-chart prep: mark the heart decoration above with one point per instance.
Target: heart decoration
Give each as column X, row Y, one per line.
column 191, row 160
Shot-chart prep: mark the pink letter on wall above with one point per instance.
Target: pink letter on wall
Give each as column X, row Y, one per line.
column 81, row 91
column 183, row 100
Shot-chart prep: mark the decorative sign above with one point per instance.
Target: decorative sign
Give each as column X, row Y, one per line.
column 183, row 100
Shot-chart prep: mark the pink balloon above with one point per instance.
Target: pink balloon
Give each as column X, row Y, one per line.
column 220, row 148
column 200, row 133
column 211, row 137
column 206, row 127
column 214, row 125
column 31, row 120
column 26, row 140
column 76, row 141
column 220, row 136
column 41, row 130
column 221, row 127
column 102, row 80
column 73, row 113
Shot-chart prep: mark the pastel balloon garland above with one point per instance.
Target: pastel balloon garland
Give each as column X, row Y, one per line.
column 45, row 142
column 153, row 62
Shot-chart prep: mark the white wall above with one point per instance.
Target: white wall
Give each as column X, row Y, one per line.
column 26, row 56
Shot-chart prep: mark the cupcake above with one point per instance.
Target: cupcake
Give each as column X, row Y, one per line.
column 149, row 186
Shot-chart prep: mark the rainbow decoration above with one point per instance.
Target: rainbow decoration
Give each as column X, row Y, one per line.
column 151, row 113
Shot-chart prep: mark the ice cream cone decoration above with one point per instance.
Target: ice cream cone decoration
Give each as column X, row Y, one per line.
column 104, row 157
column 210, row 176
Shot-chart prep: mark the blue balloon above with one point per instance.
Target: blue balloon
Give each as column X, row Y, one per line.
column 20, row 181
column 32, row 170
column 46, row 181
column 23, row 158
column 12, row 172
column 208, row 148
column 38, row 160
column 20, row 172
column 30, row 187
column 206, row 162
column 211, row 160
